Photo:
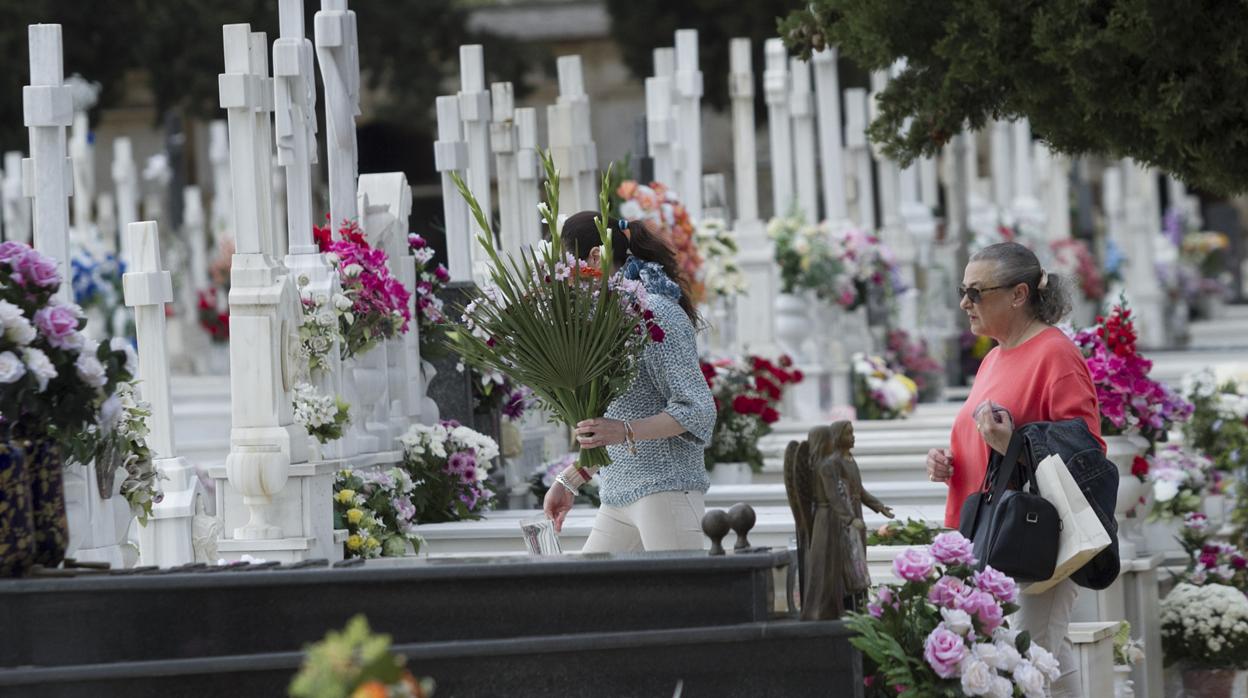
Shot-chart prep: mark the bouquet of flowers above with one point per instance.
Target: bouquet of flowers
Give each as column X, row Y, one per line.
column 911, row 357
column 844, row 267
column 911, row 532
column 449, row 464
column 1206, row 626
column 375, row 507
column 747, row 392
column 1073, row 260
column 660, row 206
column 379, row 303
column 543, row 478
column 321, row 327
column 1219, row 423
column 213, row 307
column 1206, row 251
column 1210, row 561
column 355, row 663
column 97, row 287
column 943, row 632
column 572, row 334
column 1179, row 480
column 430, row 281
column 879, row 391
column 794, row 242
column 1128, row 651
column 1130, row 401
column 123, row 434
column 721, row 275
column 494, row 391
column 53, row 379
column 324, row 417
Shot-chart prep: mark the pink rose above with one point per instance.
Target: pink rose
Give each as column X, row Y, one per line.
column 35, row 269
column 946, row 591
column 11, row 250
column 990, row 615
column 952, row 548
column 944, row 651
column 997, row 583
column 59, row 325
column 914, row 565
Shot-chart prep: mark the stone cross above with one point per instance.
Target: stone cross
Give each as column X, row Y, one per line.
column 82, row 152
column 48, row 109
column 16, row 205
column 1002, row 175
column 580, row 160
column 247, row 95
column 196, row 238
column 166, row 540
column 337, row 51
column 745, row 162
column 929, row 187
column 776, row 90
column 688, row 86
column 474, row 110
column 1143, row 222
column 1053, row 170
column 860, row 156
column 886, row 169
column 222, row 222
column 503, row 144
column 1025, row 207
column 665, row 68
column 126, row 188
column 831, row 151
column 802, row 107
column 660, row 128
column 528, row 172
column 450, row 154
column 294, row 101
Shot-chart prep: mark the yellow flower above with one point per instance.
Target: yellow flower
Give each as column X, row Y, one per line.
column 354, row 515
column 372, row 543
column 345, row 496
column 905, row 380
column 354, row 542
column 372, row 689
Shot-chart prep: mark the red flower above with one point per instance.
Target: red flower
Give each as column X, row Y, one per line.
column 744, row 404
column 798, row 377
column 656, row 332
column 708, row 372
column 1139, row 467
column 785, row 360
column 770, row 415
column 765, row 385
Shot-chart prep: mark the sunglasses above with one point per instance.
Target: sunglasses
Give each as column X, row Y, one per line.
column 976, row 294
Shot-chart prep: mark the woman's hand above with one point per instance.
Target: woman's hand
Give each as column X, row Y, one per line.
column 557, row 504
column 939, row 465
column 594, row 433
column 995, row 424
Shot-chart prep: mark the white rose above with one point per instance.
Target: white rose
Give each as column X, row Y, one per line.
column 1165, row 490
column 325, row 318
column 90, row 370
column 11, row 367
column 110, row 414
column 1008, row 656
column 1029, row 678
column 341, row 302
column 9, row 313
column 352, row 270
column 956, row 620
column 20, row 331
column 1044, row 660
column 332, row 259
column 321, row 298
column 976, row 676
column 1001, row 688
column 40, row 366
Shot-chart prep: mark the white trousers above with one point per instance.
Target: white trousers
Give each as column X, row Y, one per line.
column 1047, row 617
column 659, row 521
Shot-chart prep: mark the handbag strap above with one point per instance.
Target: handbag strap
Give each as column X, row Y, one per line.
column 1003, row 475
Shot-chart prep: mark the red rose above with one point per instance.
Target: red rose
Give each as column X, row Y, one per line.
column 770, row 415
column 798, row 377
column 1139, row 467
column 742, row 405
column 785, row 360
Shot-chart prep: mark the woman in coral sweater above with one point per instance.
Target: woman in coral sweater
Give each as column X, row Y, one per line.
column 1035, row 374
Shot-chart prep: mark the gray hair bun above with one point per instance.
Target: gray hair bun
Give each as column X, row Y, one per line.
column 1049, row 295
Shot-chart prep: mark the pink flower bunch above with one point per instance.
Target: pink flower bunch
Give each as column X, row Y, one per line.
column 1211, row 561
column 430, row 281
column 380, row 304
column 953, row 617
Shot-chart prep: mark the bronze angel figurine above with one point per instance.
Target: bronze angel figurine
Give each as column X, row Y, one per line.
column 825, row 492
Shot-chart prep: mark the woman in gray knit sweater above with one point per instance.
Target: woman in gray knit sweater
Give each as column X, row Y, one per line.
column 655, row 432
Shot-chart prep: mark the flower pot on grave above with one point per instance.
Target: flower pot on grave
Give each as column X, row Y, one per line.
column 730, row 474
column 1124, row 687
column 17, row 515
column 1122, row 450
column 792, row 324
column 1209, row 683
column 48, row 503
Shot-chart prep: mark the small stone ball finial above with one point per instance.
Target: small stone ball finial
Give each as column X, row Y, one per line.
column 715, row 525
column 742, row 518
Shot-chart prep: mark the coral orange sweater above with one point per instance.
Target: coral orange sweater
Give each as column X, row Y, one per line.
column 1043, row 380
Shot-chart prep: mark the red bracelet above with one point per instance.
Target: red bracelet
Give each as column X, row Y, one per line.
column 585, row 476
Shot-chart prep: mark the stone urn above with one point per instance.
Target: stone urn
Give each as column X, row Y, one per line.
column 792, row 324
column 1124, row 687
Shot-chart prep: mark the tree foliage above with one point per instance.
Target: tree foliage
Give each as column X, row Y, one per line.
column 1164, row 83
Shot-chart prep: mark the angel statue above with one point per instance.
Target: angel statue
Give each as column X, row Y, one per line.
column 825, row 492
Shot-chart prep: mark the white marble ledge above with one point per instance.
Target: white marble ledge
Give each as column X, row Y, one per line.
column 261, row 545
column 1143, row 563
column 305, row 469
column 1085, row 633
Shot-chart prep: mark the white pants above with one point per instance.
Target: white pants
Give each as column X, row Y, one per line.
column 660, row 521
column 1047, row 617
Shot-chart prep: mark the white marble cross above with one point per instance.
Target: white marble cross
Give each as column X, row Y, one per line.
column 688, row 86
column 196, row 238
column 776, row 89
column 665, row 70
column 48, row 109
column 450, row 154
column 1002, row 159
column 744, row 158
column 1025, row 207
column 802, row 107
column 166, row 540
column 474, row 110
column 16, row 205
column 580, row 160
column 337, row 52
column 528, row 171
column 660, row 128
column 860, row 156
column 222, row 221
column 831, row 150
column 294, row 84
column 126, row 188
column 247, row 96
column 82, row 152
column 503, row 144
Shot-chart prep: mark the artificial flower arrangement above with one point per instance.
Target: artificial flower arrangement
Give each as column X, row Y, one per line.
column 494, row 391
column 96, row 278
column 845, row 267
column 879, row 391
column 722, row 276
column 53, row 379
column 324, row 417
column 449, row 464
column 213, row 303
column 1210, row 561
column 909, row 532
column 943, row 630
column 123, row 432
column 379, row 303
column 1180, row 478
column 660, row 206
column 374, row 506
column 1219, row 423
column 1073, row 259
column 543, row 478
column 911, row 356
column 570, row 333
column 747, row 393
column 1130, row 401
column 1128, row 651
column 431, row 280
column 355, row 663
column 321, row 327
column 1205, row 626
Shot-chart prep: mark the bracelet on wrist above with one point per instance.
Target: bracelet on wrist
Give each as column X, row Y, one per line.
column 562, row 480
column 630, row 439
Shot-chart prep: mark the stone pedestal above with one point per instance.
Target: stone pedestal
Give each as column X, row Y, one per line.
column 1143, row 612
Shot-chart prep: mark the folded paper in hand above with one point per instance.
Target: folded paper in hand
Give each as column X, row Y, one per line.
column 1082, row 534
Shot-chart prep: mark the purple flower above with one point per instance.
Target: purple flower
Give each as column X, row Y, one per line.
column 35, row 269
column 944, row 651
column 952, row 548
column 461, row 462
column 11, row 250
column 59, row 325
column 442, row 274
column 997, row 583
column 416, row 242
column 946, row 591
column 914, row 565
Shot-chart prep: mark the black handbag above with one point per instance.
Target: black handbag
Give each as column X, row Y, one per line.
column 1015, row 530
